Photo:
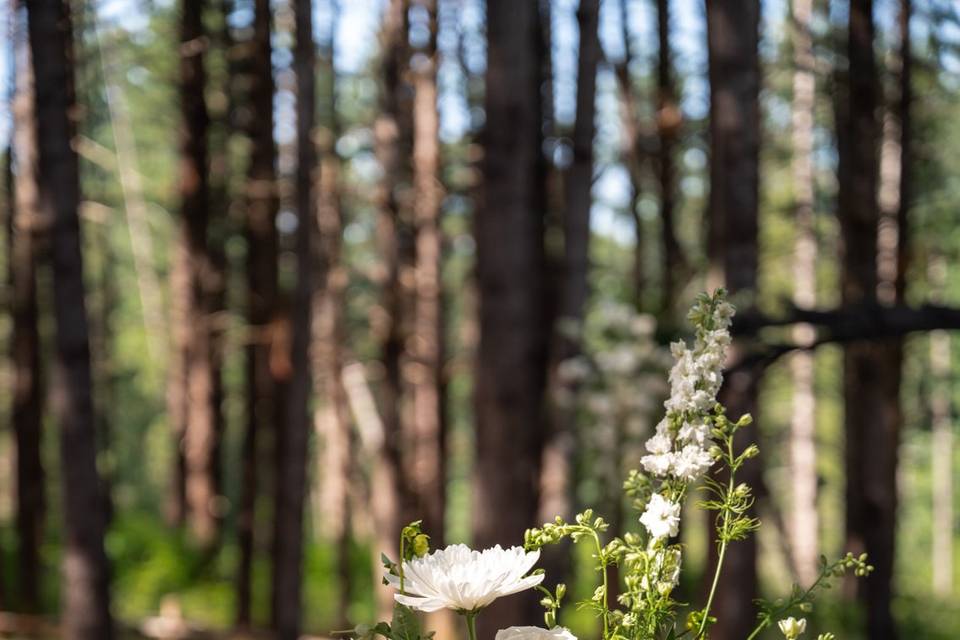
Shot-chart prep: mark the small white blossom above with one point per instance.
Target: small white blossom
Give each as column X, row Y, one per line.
column 792, row 628
column 691, row 462
column 534, row 633
column 461, row 579
column 665, row 570
column 662, row 517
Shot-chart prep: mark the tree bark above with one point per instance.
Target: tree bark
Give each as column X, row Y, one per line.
column 86, row 597
column 261, row 234
column 669, row 122
column 392, row 145
column 734, row 74
column 942, row 446
column 27, row 403
column 293, row 436
column 199, row 430
column 632, row 152
column 871, row 371
column 512, row 354
column 428, row 437
column 556, row 483
column 803, row 519
column 333, row 421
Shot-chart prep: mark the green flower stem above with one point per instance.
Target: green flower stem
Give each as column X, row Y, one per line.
column 606, row 589
column 471, row 618
column 723, row 545
column 768, row 618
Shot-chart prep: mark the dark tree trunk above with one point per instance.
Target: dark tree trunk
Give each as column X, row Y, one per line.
column 512, row 354
column 556, row 482
column 261, row 234
column 27, row 403
column 293, row 435
column 732, row 36
column 427, row 459
column 199, row 430
column 871, row 370
column 86, row 597
column 669, row 121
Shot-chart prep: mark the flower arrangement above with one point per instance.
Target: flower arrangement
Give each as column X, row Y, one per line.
column 694, row 437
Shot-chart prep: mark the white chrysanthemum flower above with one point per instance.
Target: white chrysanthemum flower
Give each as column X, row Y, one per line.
column 662, row 517
column 461, row 579
column 534, row 633
column 792, row 628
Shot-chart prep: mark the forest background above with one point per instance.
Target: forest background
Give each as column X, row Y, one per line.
column 284, row 275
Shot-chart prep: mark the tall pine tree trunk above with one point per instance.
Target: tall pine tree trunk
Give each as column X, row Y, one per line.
column 669, row 121
column 199, row 430
column 512, row 354
column 732, row 36
column 803, row 520
column 293, row 435
column 392, row 145
column 428, row 437
column 871, row 370
column 27, row 403
column 86, row 595
column 261, row 234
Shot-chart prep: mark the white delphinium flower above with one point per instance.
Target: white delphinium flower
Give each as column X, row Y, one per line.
column 534, row 633
column 680, row 447
column 464, row 580
column 792, row 628
column 691, row 462
column 661, row 518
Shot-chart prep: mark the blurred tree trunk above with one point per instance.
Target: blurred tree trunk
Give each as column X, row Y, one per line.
column 199, row 429
column 669, row 122
column 632, row 151
column 871, row 370
column 86, row 596
column 392, row 145
column 514, row 329
column 732, row 39
column 942, row 444
column 803, row 519
column 332, row 415
column 261, row 234
column 428, row 435
column 293, row 435
column 27, row 402
column 556, row 482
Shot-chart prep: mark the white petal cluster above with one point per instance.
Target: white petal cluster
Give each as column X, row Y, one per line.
column 461, row 579
column 791, row 628
column 534, row 633
column 661, row 517
column 695, row 380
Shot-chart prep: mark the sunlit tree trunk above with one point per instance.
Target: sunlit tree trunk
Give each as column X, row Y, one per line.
column 512, row 354
column 732, row 38
column 632, row 151
column 261, row 234
column 334, row 426
column 86, row 596
column 392, row 145
column 293, row 435
column 803, row 520
column 428, row 437
column 941, row 446
column 27, row 402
